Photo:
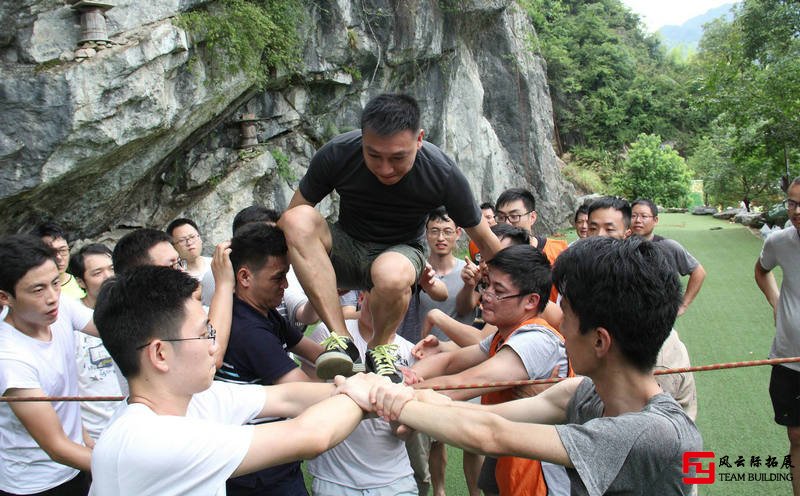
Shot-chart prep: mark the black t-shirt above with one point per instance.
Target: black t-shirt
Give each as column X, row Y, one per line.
column 372, row 211
column 257, row 354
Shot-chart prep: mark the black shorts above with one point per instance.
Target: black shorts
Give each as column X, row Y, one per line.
column 784, row 389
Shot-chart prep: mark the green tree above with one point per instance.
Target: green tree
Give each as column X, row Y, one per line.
column 654, row 170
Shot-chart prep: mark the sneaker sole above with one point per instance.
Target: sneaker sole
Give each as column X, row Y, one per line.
column 329, row 365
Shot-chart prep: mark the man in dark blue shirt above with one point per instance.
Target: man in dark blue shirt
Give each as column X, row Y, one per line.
column 260, row 341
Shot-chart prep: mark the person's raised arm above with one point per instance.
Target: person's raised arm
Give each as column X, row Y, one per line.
column 44, row 426
column 461, row 334
column 220, row 312
column 298, row 199
column 467, row 297
column 432, row 285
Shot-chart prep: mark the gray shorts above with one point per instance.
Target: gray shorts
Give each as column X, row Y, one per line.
column 404, row 486
column 352, row 259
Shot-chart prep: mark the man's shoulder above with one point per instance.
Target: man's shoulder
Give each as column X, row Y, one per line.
column 784, row 238
column 248, row 320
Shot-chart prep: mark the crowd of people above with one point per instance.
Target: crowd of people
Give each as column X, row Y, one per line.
column 226, row 393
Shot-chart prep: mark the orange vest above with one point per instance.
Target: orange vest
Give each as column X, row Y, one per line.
column 520, row 476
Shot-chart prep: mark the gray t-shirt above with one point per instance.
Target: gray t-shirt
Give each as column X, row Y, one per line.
column 539, row 349
column 783, row 248
column 682, row 260
column 454, row 284
column 634, row 454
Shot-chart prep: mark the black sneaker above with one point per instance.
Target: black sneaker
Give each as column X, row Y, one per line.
column 383, row 360
column 340, row 357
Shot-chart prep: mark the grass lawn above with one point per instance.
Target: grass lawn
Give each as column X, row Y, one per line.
column 729, row 321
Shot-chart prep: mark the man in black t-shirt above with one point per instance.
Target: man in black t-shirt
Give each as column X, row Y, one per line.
column 388, row 179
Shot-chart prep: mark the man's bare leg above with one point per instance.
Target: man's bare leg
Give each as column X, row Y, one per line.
column 794, row 454
column 309, row 241
column 393, row 275
column 472, row 464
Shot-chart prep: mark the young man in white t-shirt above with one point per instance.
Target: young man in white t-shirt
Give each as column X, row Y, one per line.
column 372, row 459
column 41, row 443
column 97, row 374
column 179, row 434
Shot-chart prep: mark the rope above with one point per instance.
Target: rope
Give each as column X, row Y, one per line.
column 698, row 368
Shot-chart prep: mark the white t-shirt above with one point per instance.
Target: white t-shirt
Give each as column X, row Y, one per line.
column 205, row 267
column 96, row 377
column 28, row 363
column 371, row 456
column 143, row 453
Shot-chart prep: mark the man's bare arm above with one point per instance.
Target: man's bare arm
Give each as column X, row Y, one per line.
column 220, row 311
column 693, row 286
column 298, row 199
column 766, row 283
column 44, row 426
column 487, row 242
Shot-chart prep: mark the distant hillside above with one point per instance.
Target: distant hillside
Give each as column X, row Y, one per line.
column 688, row 34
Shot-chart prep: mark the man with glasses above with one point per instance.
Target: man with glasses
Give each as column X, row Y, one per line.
column 153, row 247
column 644, row 218
column 186, row 239
column 388, row 179
column 53, row 235
column 525, row 346
column 181, row 432
column 783, row 249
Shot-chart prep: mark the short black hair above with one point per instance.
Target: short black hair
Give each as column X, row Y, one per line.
column 19, row 254
column 439, row 214
column 143, row 303
column 181, row 222
column 650, row 204
column 255, row 213
column 615, row 203
column 625, row 286
column 583, row 209
column 132, row 249
column 49, row 229
column 77, row 262
column 514, row 194
column 391, row 113
column 254, row 243
column 487, row 206
column 529, row 270
column 517, row 235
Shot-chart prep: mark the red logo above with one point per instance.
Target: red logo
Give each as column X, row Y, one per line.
column 701, row 475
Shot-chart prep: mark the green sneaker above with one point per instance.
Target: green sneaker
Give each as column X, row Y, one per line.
column 383, row 360
column 340, row 357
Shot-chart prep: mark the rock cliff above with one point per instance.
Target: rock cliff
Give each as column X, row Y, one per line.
column 135, row 133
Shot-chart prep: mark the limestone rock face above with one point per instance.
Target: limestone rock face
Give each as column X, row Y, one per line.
column 137, row 134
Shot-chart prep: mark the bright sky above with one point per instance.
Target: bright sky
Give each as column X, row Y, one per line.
column 658, row 13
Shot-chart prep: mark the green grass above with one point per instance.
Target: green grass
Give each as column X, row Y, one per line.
column 729, row 321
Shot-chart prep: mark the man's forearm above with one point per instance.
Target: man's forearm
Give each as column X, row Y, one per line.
column 766, row 283
column 693, row 286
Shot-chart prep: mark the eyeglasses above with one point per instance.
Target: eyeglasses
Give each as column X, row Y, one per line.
column 489, row 296
column 641, row 216
column 791, row 205
column 179, row 264
column 435, row 232
column 186, row 240
column 501, row 217
column 210, row 333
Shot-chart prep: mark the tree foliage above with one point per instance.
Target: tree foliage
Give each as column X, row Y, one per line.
column 654, row 170
column 750, row 82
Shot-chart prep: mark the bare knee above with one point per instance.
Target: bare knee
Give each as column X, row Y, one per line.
column 301, row 223
column 392, row 273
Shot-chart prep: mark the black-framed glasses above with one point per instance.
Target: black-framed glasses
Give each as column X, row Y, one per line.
column 490, row 296
column 501, row 217
column 435, row 232
column 791, row 205
column 186, row 240
column 210, row 333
